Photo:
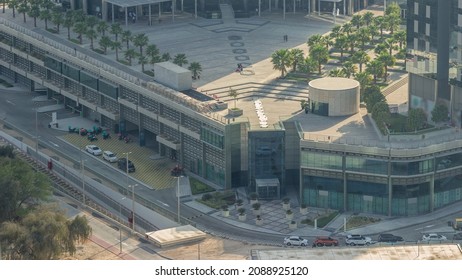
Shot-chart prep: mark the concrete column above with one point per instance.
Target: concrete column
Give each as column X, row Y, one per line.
column 126, row 17
column 259, row 8
column 344, row 7
column 335, row 12
column 113, row 8
column 345, row 189
column 284, row 9
column 390, row 184
column 173, row 10
column 150, row 15
column 432, row 193
column 160, row 12
column 104, row 10
column 294, row 6
column 182, row 6
column 195, row 9
column 269, row 6
column 319, row 7
column 72, row 4
column 85, row 6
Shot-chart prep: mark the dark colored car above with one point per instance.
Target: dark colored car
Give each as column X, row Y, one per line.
column 388, row 237
column 325, row 241
column 122, row 164
column 457, row 236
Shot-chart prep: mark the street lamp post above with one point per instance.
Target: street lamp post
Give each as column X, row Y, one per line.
column 120, row 228
column 36, row 132
column 178, row 172
column 133, row 206
column 82, row 166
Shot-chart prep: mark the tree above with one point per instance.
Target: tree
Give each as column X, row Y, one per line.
column 368, row 18
column 308, row 65
column 357, row 20
column 349, row 69
column 363, row 36
column 440, row 113
column 117, row 46
column 13, row 5
column 320, row 54
column 315, row 40
column 281, row 60
column 336, row 32
column 104, row 43
column 21, row 189
column 393, row 9
column 295, row 56
column 372, row 96
column 116, row 29
column 365, row 80
column 129, row 55
column 387, row 61
column 91, row 21
column 416, row 119
column 140, row 41
column 68, row 22
column 180, row 59
column 400, row 38
column 336, row 73
column 375, row 68
column 153, row 53
column 102, row 27
column 91, row 35
column 80, row 28
column 390, row 45
column 233, row 93
column 341, row 44
column 57, row 18
column 360, row 57
column 127, row 37
column 347, row 28
column 196, row 70
column 381, row 114
column 142, row 59
column 166, row 56
column 34, row 11
column 351, row 42
column 44, row 234
column 381, row 23
column 393, row 22
column 23, row 8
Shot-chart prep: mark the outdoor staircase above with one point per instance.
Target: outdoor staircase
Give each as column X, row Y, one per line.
column 227, row 13
column 286, row 90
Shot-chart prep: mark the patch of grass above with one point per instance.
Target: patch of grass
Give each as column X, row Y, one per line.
column 149, row 72
column 124, row 62
column 324, row 220
column 75, row 41
column 52, row 30
column 218, row 199
column 197, row 187
column 357, row 221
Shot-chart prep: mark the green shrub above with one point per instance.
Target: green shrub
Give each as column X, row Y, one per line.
column 206, row 197
column 197, row 187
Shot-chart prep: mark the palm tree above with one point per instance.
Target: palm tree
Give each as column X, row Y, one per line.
column 142, row 60
column 102, row 27
column 180, row 59
column 315, row 40
column 104, row 43
column 34, row 11
column 357, row 20
column 381, row 24
column 296, row 56
column 393, row 22
column 127, row 37
column 336, row 73
column 80, row 28
column 152, row 50
column 373, row 31
column 387, row 61
column 351, row 42
column 116, row 45
column 57, row 18
column 129, row 55
column 308, row 65
column 360, row 57
column 91, row 21
column 140, row 41
column 400, row 37
column 362, row 35
column 116, row 29
column 13, row 4
column 375, row 68
column 365, row 80
column 78, row 15
column 23, row 8
column 368, row 18
column 91, row 35
column 380, row 48
column 3, row 5
column 320, row 54
column 341, row 44
column 233, row 93
column 45, row 15
column 196, row 70
column 281, row 60
column 389, row 43
column 349, row 69
column 336, row 32
column 347, row 28
column 166, row 56
column 68, row 22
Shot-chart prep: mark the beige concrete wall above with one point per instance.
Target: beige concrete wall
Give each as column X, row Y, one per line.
column 173, row 76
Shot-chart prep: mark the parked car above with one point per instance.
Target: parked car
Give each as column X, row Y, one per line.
column 94, row 150
column 122, row 164
column 295, row 240
column 431, row 237
column 109, row 156
column 357, row 239
column 388, row 237
column 457, row 236
column 325, row 241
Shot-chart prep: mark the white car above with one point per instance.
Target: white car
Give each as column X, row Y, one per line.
column 94, row 150
column 357, row 239
column 109, row 156
column 429, row 237
column 295, row 240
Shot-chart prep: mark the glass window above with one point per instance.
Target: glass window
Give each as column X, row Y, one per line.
column 318, row 160
column 411, row 168
column 366, row 165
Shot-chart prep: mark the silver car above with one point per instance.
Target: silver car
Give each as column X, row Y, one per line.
column 431, row 237
column 357, row 239
column 295, row 240
column 109, row 156
column 94, row 150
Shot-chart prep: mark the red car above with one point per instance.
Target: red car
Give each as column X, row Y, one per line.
column 325, row 241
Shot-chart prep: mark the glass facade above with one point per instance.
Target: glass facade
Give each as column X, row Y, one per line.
column 321, row 160
column 212, row 138
column 323, row 192
column 405, row 168
column 366, row 165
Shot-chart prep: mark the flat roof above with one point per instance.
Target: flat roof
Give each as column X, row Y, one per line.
column 333, row 83
column 175, row 236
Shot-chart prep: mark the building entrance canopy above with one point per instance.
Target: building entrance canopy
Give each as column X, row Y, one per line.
column 133, row 3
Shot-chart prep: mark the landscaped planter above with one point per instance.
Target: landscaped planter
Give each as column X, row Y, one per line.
column 289, row 216
column 242, row 217
column 235, row 112
column 225, row 213
column 303, row 211
column 256, row 211
column 286, row 206
column 259, row 222
column 293, row 225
